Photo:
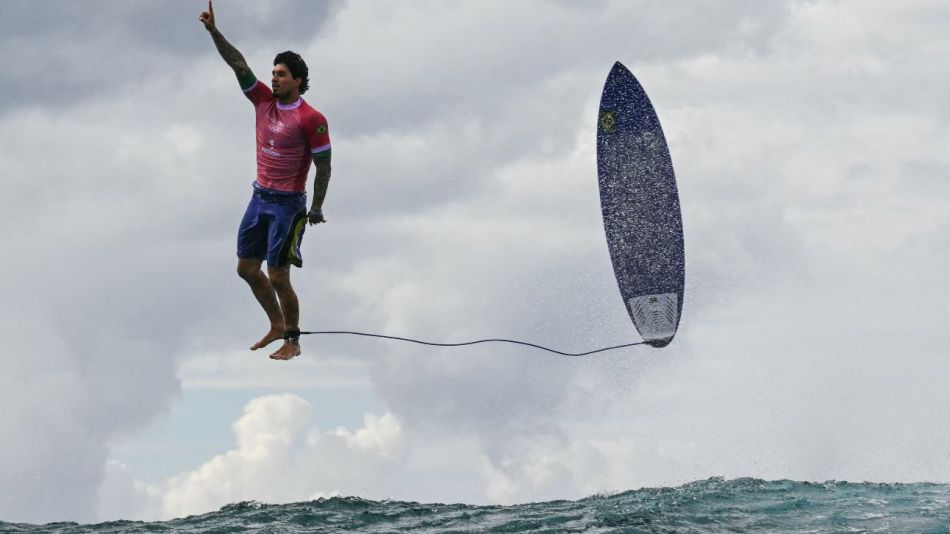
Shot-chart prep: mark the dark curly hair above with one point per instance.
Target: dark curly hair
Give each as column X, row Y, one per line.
column 298, row 69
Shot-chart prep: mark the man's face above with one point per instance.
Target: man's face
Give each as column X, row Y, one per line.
column 282, row 82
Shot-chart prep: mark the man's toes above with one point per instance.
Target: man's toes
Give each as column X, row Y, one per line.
column 271, row 337
column 286, row 352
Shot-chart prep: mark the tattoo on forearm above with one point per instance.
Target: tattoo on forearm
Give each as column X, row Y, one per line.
column 231, row 56
column 320, row 186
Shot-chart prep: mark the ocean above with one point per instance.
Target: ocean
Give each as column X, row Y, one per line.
column 713, row 505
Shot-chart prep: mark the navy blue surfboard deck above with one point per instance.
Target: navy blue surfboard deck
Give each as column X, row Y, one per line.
column 641, row 208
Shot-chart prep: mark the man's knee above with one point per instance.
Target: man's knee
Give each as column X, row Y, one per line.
column 279, row 277
column 248, row 269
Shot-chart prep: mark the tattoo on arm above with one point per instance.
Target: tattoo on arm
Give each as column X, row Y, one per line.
column 231, row 56
column 322, row 180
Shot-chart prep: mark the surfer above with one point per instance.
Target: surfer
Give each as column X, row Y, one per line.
column 290, row 134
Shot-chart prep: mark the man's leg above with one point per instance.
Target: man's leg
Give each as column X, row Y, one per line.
column 250, row 270
column 280, row 280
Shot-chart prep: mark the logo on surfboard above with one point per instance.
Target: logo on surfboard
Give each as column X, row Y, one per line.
column 608, row 121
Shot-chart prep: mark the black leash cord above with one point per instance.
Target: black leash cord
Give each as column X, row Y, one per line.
column 525, row 343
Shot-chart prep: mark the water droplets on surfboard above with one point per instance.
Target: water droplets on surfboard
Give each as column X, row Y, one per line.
column 640, row 207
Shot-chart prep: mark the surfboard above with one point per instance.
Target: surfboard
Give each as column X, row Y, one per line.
column 641, row 208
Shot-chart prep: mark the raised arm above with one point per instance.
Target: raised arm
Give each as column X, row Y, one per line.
column 231, row 56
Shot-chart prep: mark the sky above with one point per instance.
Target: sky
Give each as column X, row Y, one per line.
column 809, row 140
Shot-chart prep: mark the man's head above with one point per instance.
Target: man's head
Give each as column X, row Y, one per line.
column 290, row 75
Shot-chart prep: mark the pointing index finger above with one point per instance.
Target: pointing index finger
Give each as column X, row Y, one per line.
column 210, row 9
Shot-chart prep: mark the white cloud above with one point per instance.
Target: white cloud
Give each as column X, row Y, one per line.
column 121, row 495
column 281, row 457
column 379, row 435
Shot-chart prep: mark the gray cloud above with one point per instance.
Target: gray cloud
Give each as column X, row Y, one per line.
column 58, row 54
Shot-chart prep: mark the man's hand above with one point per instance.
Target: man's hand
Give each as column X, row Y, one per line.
column 207, row 18
column 229, row 54
column 315, row 216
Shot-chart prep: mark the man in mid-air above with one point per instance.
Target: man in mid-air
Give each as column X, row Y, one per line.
column 290, row 134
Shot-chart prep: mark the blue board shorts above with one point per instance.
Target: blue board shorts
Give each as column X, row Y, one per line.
column 273, row 227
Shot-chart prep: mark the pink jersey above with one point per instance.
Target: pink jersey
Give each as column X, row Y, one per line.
column 287, row 136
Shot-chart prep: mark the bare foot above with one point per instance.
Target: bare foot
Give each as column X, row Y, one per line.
column 272, row 336
column 287, row 351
